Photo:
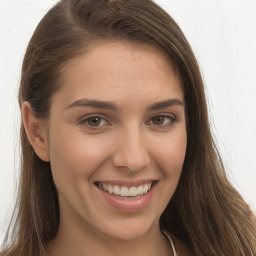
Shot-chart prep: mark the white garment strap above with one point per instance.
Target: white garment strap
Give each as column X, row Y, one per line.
column 171, row 242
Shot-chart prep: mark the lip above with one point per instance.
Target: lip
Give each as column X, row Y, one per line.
column 128, row 205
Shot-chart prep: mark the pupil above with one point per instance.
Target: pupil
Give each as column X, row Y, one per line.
column 94, row 121
column 158, row 120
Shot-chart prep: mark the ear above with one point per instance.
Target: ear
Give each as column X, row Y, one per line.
column 36, row 132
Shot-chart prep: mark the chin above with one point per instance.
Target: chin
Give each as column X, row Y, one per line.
column 129, row 229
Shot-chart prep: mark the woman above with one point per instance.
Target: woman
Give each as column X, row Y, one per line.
column 118, row 158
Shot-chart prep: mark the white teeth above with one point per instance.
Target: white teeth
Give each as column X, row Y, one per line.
column 110, row 189
column 126, row 191
column 132, row 191
column 105, row 187
column 140, row 190
column 117, row 190
column 145, row 188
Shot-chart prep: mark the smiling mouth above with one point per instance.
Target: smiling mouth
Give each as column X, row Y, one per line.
column 125, row 192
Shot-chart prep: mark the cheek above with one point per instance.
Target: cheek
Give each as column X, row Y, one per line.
column 169, row 157
column 73, row 155
column 170, row 154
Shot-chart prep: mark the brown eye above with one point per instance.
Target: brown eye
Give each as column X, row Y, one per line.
column 95, row 121
column 158, row 120
column 163, row 120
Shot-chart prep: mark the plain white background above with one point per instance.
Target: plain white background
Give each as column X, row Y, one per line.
column 223, row 36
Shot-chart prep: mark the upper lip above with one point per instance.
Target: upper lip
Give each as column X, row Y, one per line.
column 126, row 182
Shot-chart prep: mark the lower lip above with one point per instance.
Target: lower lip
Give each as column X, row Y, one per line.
column 128, row 205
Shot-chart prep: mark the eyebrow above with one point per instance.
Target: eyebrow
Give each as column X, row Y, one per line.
column 166, row 103
column 111, row 106
column 93, row 103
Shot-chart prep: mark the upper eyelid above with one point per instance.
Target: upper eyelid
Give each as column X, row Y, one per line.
column 171, row 115
column 166, row 116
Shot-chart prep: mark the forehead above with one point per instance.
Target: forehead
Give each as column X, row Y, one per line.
column 119, row 69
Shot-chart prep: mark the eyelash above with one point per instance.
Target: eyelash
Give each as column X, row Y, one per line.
column 172, row 121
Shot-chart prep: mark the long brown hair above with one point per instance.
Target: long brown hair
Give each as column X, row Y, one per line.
column 206, row 212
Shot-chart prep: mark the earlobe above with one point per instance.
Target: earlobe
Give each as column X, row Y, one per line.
column 36, row 132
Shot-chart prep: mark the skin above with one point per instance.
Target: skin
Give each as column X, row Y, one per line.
column 127, row 144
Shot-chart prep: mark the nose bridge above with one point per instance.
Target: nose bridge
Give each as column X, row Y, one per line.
column 131, row 150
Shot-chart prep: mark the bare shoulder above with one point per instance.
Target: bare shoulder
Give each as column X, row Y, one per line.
column 181, row 248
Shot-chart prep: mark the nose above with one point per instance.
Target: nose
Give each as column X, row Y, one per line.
column 131, row 150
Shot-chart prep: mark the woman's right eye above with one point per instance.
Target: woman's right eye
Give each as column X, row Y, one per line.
column 94, row 121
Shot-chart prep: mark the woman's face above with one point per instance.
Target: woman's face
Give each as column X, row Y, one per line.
column 117, row 125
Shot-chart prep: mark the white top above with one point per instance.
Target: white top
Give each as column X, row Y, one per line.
column 171, row 242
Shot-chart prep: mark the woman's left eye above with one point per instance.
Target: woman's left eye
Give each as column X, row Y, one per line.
column 162, row 120
column 94, row 121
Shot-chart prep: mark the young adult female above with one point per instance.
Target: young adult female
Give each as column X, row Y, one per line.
column 117, row 154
